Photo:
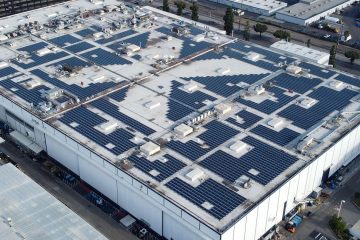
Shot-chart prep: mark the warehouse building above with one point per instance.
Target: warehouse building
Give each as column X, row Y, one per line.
column 306, row 12
column 29, row 212
column 10, row 7
column 302, row 52
column 262, row 7
column 195, row 133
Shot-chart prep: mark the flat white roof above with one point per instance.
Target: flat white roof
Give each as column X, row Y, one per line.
column 269, row 5
column 33, row 213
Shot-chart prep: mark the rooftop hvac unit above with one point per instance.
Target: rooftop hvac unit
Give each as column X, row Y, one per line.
column 183, row 130
column 243, row 181
column 223, row 108
column 195, row 174
column 150, row 148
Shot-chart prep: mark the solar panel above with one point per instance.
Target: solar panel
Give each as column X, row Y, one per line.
column 64, row 40
column 297, row 84
column 329, row 100
column 268, row 161
column 165, row 170
column 116, row 36
column 269, row 106
column 211, row 138
column 33, row 47
column 281, row 137
column 119, row 95
column 114, row 111
column 38, row 60
column 194, row 99
column 86, row 121
column 247, row 119
column 317, row 71
column 140, row 40
column 222, row 199
column 82, row 92
column 85, row 32
column 79, row 47
column 7, row 71
column 349, row 80
column 72, row 62
column 177, row 111
column 226, row 85
column 190, row 47
column 103, row 57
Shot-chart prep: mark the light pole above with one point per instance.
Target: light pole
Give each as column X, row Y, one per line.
column 341, row 203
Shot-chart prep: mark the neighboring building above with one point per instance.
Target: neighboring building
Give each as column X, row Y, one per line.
column 29, row 212
column 10, row 7
column 306, row 12
column 262, row 7
column 198, row 135
column 303, row 52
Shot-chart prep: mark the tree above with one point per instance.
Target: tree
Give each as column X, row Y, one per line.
column 282, row 35
column 229, row 21
column 194, row 11
column 247, row 31
column 332, row 60
column 260, row 28
column 180, row 7
column 352, row 55
column 165, row 6
column 308, row 43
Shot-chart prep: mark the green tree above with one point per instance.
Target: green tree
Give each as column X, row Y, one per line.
column 229, row 21
column 247, row 31
column 338, row 225
column 332, row 60
column 281, row 34
column 260, row 28
column 165, row 6
column 352, row 55
column 194, row 11
column 308, row 43
column 180, row 7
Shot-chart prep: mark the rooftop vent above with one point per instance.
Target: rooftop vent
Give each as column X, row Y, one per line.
column 308, row 102
column 336, row 84
column 195, row 174
column 183, row 130
column 293, row 69
column 150, row 148
column 243, row 181
column 238, row 146
column 223, row 108
column 275, row 122
column 108, row 126
column 152, row 104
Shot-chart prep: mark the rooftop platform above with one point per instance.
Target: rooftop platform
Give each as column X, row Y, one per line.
column 179, row 106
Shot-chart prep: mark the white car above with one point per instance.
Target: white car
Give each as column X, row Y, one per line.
column 327, row 36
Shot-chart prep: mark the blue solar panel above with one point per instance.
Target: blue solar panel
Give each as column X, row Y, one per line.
column 211, row 138
column 119, row 95
column 248, row 119
column 165, row 169
column 269, row 106
column 190, row 47
column 62, row 99
column 72, row 62
column 33, row 47
column 85, row 32
column 329, row 101
column 349, row 80
column 267, row 160
column 7, row 71
column 29, row 95
column 64, row 40
column 79, row 47
column 103, row 57
column 196, row 31
column 140, row 40
column 194, row 99
column 116, row 36
column 221, row 198
column 282, row 137
column 297, row 84
column 226, row 85
column 114, row 111
column 87, row 120
column 81, row 92
column 177, row 111
column 317, row 71
column 38, row 60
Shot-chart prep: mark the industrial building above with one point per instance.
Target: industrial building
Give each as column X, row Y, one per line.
column 10, row 7
column 199, row 135
column 262, row 7
column 302, row 52
column 306, row 12
column 29, row 212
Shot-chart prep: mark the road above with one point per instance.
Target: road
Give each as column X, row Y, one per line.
column 212, row 14
column 90, row 213
column 322, row 214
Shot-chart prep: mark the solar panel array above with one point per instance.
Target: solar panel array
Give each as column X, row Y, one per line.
column 165, row 170
column 64, row 40
column 117, row 36
column 7, row 71
column 247, row 119
column 329, row 100
column 281, row 137
column 317, row 71
column 267, row 160
column 223, row 200
column 176, row 110
column 295, row 83
column 85, row 32
column 140, row 40
column 349, row 80
column 86, row 119
column 268, row 106
column 79, row 47
column 103, row 57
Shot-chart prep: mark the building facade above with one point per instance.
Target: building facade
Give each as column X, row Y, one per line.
column 10, row 7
